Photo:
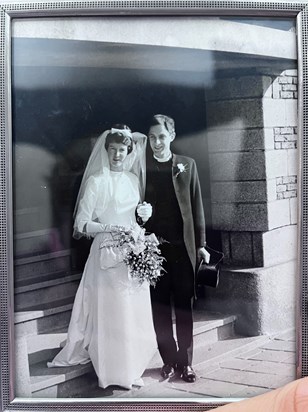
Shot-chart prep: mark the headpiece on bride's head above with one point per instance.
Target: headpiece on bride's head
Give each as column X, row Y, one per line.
column 98, row 162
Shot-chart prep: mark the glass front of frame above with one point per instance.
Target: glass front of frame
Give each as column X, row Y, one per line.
column 83, row 326
column 234, row 102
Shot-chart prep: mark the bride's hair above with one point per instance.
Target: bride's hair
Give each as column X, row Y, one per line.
column 117, row 136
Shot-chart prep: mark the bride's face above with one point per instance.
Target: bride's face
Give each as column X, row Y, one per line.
column 117, row 153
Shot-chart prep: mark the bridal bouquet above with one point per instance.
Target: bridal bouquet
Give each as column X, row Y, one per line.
column 142, row 255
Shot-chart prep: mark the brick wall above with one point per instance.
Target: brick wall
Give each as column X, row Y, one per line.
column 286, row 187
column 285, row 138
column 285, row 85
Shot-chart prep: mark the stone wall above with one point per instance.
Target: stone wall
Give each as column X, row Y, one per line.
column 252, row 138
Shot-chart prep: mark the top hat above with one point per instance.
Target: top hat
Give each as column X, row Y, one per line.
column 208, row 273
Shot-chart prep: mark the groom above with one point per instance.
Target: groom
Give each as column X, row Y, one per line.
column 173, row 189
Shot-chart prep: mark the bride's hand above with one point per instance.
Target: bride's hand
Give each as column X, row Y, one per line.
column 144, row 211
column 115, row 228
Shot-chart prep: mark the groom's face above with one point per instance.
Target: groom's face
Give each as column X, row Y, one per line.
column 160, row 140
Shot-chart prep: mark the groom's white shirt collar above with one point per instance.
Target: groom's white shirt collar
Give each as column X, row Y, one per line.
column 164, row 159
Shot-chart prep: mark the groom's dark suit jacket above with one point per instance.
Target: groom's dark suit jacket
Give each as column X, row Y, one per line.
column 188, row 194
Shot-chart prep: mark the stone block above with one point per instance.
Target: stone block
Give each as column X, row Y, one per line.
column 240, row 217
column 293, row 162
column 254, row 191
column 292, row 137
column 281, row 188
column 237, row 140
column 287, row 95
column 278, row 214
column 280, row 245
column 290, row 72
column 237, row 88
column 271, row 189
column 241, row 248
column 294, row 210
column 291, row 186
column 22, row 372
column 268, row 138
column 263, row 299
column 225, row 244
column 229, row 113
column 286, row 130
column 290, row 194
column 276, row 89
column 238, row 166
column 289, row 87
column 281, row 137
column 282, row 112
column 258, row 252
column 288, row 145
column 284, row 80
column 276, row 162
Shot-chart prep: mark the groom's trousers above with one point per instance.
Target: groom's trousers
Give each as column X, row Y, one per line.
column 175, row 289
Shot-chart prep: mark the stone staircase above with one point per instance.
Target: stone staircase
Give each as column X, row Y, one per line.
column 44, row 291
column 67, row 382
column 45, row 287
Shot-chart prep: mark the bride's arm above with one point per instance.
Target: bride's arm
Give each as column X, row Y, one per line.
column 86, row 207
column 83, row 220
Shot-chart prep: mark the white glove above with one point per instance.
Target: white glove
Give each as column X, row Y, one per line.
column 96, row 227
column 204, row 254
column 144, row 211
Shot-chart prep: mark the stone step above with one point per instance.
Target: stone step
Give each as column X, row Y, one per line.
column 43, row 348
column 27, row 219
column 44, row 318
column 30, row 283
column 36, row 242
column 63, row 382
column 46, row 291
column 212, row 327
column 73, row 381
column 206, row 358
column 48, row 263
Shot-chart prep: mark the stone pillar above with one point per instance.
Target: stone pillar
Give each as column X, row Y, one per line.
column 22, row 371
column 252, row 138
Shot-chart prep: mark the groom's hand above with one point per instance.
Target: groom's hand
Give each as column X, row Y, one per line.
column 204, row 254
column 144, row 211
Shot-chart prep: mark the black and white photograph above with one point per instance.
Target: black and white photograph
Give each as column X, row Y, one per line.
column 155, row 206
column 153, row 212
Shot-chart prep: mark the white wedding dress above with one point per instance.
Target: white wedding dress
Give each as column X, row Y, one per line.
column 111, row 323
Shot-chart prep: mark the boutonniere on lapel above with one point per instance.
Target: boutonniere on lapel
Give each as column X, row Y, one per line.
column 180, row 169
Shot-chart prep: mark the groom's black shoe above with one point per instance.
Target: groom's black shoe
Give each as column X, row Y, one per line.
column 188, row 374
column 168, row 371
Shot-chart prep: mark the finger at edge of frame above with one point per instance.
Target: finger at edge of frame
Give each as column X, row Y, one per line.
column 290, row 398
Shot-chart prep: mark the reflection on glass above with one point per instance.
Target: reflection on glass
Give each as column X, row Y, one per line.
column 233, row 97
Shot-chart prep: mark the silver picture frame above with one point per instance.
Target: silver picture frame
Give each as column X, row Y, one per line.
column 33, row 14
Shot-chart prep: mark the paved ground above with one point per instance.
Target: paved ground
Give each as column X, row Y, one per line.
column 234, row 368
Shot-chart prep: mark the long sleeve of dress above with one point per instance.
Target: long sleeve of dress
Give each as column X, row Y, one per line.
column 84, row 219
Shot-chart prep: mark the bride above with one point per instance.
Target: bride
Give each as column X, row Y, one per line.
column 111, row 323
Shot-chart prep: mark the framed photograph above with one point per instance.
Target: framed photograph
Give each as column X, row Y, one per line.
column 138, row 139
